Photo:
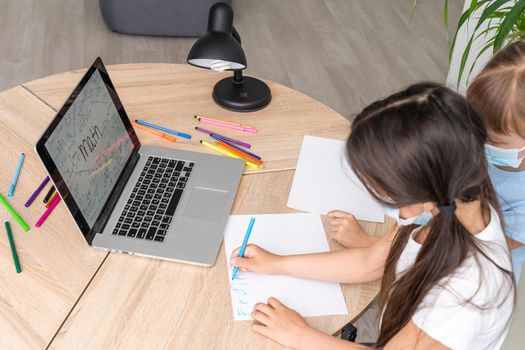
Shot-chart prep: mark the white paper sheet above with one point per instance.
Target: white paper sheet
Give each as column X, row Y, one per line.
column 324, row 181
column 283, row 234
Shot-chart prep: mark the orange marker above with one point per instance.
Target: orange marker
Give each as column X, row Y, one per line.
column 154, row 132
column 51, row 200
column 238, row 153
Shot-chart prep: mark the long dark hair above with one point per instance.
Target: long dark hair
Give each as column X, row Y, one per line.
column 423, row 144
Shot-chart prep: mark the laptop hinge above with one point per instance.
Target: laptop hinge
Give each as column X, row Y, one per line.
column 113, row 198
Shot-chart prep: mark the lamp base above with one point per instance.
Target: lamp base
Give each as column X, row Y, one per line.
column 249, row 95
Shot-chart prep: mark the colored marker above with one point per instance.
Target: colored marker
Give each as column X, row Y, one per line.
column 241, row 154
column 243, row 247
column 15, row 178
column 169, row 131
column 154, row 132
column 226, row 124
column 48, row 212
column 49, row 194
column 37, row 192
column 50, row 202
column 13, row 248
column 240, row 149
column 228, row 154
column 211, row 133
column 14, row 213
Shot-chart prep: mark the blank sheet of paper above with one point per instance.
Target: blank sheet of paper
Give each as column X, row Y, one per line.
column 324, row 181
column 282, row 234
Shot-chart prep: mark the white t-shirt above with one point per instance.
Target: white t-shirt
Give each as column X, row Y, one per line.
column 443, row 313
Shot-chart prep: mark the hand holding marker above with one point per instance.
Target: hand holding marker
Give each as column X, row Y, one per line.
column 243, row 247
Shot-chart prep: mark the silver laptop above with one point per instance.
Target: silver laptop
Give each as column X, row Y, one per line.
column 129, row 198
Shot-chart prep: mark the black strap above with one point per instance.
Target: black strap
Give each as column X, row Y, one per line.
column 447, row 209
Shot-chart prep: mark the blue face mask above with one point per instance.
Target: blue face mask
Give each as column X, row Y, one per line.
column 421, row 219
column 503, row 157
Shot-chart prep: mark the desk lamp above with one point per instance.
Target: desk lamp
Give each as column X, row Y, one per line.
column 220, row 50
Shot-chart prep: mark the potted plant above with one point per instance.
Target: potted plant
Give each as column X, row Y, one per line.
column 499, row 22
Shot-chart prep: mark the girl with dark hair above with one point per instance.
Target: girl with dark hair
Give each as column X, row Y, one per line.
column 445, row 269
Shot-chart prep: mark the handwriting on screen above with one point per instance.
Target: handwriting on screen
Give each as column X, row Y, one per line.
column 90, row 142
column 90, row 147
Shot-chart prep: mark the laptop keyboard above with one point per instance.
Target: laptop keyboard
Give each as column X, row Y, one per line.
column 152, row 203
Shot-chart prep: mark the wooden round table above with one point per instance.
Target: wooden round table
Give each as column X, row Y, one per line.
column 72, row 296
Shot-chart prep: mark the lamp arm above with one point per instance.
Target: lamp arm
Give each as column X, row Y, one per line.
column 236, row 35
column 237, row 76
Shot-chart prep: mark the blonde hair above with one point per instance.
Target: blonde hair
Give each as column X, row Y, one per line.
column 497, row 94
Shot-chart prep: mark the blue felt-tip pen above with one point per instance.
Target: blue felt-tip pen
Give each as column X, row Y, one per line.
column 169, row 131
column 243, row 247
column 15, row 178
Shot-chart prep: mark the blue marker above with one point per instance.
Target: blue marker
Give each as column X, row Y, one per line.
column 217, row 137
column 169, row 131
column 15, row 178
column 243, row 247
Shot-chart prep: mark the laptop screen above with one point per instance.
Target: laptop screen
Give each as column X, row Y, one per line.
column 90, row 147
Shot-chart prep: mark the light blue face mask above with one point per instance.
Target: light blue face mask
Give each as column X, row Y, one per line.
column 502, row 156
column 421, row 219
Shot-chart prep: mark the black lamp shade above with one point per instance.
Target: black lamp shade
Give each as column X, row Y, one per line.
column 217, row 46
column 220, row 49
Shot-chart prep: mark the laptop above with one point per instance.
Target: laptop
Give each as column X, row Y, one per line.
column 131, row 198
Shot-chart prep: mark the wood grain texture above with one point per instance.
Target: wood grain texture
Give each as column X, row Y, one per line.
column 133, row 302
column 138, row 303
column 57, row 264
column 171, row 94
column 343, row 53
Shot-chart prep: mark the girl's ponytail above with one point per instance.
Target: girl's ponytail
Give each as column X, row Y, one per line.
column 423, row 144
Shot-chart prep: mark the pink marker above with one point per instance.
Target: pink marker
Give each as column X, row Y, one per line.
column 47, row 212
column 227, row 125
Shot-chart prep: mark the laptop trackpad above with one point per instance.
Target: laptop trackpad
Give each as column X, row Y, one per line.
column 206, row 204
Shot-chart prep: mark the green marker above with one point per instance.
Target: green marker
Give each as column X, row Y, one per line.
column 13, row 249
column 13, row 212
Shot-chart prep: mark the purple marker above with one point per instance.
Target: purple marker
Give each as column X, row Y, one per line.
column 37, row 191
column 211, row 133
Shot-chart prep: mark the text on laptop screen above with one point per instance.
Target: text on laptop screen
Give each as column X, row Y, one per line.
column 90, row 147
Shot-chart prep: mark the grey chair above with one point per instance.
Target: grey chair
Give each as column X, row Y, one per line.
column 157, row 17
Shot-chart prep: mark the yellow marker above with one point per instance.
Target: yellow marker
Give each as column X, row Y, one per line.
column 227, row 153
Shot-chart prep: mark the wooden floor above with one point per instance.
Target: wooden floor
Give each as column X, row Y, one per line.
column 345, row 53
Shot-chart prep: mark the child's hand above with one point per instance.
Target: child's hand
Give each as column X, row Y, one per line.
column 279, row 323
column 255, row 259
column 345, row 230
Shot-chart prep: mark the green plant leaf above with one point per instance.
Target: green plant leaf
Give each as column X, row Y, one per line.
column 463, row 62
column 464, row 18
column 491, row 8
column 485, row 48
column 507, row 24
